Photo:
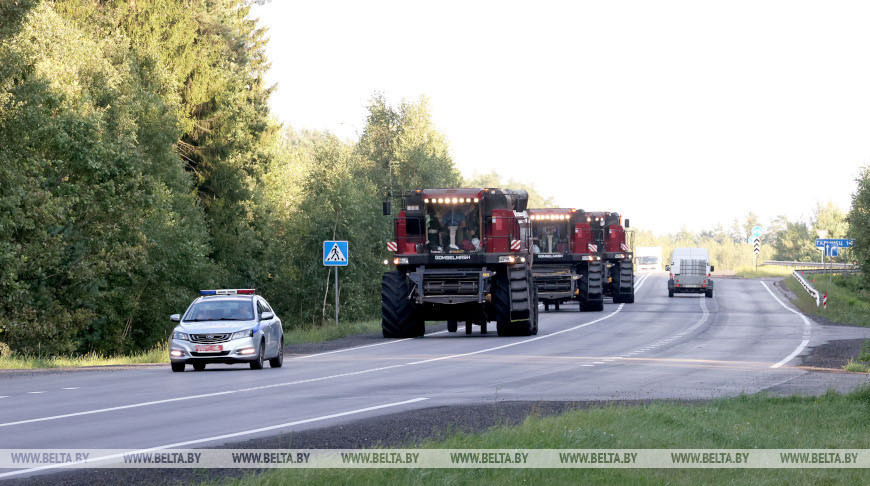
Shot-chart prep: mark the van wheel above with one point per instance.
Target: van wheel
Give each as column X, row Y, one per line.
column 198, row 366
column 177, row 367
column 452, row 326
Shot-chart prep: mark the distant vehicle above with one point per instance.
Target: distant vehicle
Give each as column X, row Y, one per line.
column 227, row 326
column 648, row 258
column 690, row 272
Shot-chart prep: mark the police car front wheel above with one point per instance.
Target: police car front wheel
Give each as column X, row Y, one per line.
column 258, row 363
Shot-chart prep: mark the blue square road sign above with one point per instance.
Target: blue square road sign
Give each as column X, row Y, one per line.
column 335, row 254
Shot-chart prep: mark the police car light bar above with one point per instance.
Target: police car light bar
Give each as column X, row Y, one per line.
column 227, row 292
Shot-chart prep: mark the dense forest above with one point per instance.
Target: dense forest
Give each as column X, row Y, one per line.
column 139, row 162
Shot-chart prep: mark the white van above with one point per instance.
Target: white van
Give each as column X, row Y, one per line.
column 648, row 258
column 690, row 272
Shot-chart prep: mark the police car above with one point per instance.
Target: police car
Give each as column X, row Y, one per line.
column 227, row 326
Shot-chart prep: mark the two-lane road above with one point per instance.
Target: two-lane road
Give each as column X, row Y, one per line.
column 742, row 341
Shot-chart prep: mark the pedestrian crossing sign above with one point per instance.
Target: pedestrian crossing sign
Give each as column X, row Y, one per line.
column 335, row 253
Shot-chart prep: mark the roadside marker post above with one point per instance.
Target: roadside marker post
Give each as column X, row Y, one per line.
column 757, row 231
column 335, row 254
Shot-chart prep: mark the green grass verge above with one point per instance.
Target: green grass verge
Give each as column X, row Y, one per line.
column 848, row 303
column 762, row 271
column 328, row 332
column 857, row 366
column 747, row 422
column 160, row 354
column 157, row 355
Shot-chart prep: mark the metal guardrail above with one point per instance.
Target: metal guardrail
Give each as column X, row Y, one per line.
column 807, row 286
column 829, row 270
column 818, row 269
column 778, row 263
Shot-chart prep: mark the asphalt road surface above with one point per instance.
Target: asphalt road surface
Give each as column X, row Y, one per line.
column 745, row 340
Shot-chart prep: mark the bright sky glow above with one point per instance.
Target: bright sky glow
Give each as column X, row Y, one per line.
column 674, row 113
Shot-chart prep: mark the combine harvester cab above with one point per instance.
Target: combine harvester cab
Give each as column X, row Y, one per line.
column 567, row 264
column 460, row 255
column 615, row 249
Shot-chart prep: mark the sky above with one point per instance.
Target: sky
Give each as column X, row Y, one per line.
column 676, row 114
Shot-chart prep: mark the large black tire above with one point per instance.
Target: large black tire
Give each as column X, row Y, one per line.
column 452, row 326
column 399, row 317
column 516, row 302
column 624, row 286
column 556, row 305
column 198, row 366
column 278, row 361
column 592, row 288
column 708, row 294
column 534, row 318
column 177, row 367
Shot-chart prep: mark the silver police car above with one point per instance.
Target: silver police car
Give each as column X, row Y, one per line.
column 227, row 326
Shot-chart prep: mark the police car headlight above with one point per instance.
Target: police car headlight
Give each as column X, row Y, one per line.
column 181, row 336
column 243, row 334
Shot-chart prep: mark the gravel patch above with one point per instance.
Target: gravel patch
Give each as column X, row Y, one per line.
column 833, row 354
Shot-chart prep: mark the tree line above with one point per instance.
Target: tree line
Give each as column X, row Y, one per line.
column 139, row 163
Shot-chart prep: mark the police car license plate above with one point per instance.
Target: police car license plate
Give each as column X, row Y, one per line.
column 212, row 348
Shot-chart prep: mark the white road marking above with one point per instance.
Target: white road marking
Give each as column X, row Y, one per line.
column 807, row 328
column 35, row 393
column 701, row 321
column 361, row 347
column 218, row 437
column 71, row 388
column 598, row 362
column 312, row 380
column 4, row 396
column 587, row 365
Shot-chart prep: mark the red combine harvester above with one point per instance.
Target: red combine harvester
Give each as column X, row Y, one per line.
column 461, row 255
column 567, row 263
column 616, row 252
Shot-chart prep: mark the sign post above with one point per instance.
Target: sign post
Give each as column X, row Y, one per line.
column 756, row 243
column 831, row 248
column 335, row 254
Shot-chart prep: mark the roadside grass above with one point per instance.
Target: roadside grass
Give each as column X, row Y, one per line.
column 160, row 354
column 328, row 332
column 763, row 271
column 857, row 366
column 848, row 303
column 746, row 422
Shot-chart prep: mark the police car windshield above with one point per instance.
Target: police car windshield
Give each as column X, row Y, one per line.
column 221, row 310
